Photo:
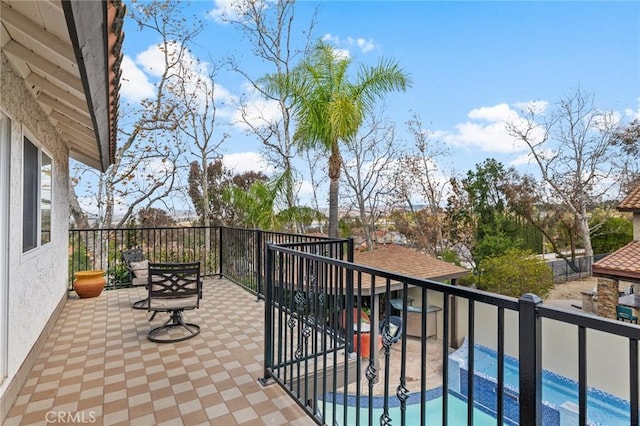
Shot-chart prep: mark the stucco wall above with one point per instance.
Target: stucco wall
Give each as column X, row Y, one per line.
column 607, row 355
column 38, row 279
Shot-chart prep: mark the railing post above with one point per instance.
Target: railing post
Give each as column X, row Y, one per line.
column 220, row 228
column 530, row 350
column 259, row 255
column 268, row 320
column 349, row 302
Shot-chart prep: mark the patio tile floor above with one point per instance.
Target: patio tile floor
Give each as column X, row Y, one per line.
column 99, row 367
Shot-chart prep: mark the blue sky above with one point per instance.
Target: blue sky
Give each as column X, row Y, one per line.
column 471, row 63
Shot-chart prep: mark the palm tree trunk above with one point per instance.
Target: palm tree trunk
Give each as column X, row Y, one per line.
column 335, row 162
column 333, row 208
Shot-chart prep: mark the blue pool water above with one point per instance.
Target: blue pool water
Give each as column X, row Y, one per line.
column 457, row 414
column 602, row 408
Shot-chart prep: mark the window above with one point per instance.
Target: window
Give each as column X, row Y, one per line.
column 36, row 197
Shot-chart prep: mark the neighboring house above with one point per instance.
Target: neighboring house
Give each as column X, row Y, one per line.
column 59, row 75
column 623, row 265
column 402, row 260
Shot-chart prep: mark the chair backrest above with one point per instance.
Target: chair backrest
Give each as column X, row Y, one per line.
column 132, row 255
column 624, row 313
column 392, row 328
column 174, row 286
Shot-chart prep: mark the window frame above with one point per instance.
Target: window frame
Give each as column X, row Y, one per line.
column 39, row 224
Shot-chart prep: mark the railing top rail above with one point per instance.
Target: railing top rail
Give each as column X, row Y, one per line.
column 311, row 243
column 590, row 321
column 141, row 228
column 464, row 292
column 314, row 237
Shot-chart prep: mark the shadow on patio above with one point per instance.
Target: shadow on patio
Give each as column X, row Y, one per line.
column 99, row 365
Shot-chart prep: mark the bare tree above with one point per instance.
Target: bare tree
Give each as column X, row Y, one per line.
column 573, row 149
column 367, row 172
column 419, row 179
column 196, row 95
column 270, row 29
column 150, row 147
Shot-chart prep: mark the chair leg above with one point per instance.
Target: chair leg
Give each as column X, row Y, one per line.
column 175, row 320
column 141, row 304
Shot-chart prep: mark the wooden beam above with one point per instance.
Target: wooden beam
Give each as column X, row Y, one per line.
column 83, row 157
column 79, row 116
column 79, row 140
column 13, row 18
column 61, row 118
column 33, row 59
column 57, row 91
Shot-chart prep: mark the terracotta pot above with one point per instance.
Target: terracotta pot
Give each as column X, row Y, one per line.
column 89, row 283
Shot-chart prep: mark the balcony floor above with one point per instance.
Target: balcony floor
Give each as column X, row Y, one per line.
column 98, row 362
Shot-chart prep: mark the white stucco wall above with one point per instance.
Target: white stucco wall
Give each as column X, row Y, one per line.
column 607, row 355
column 38, row 279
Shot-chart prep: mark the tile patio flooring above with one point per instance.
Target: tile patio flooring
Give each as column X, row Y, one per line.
column 98, row 363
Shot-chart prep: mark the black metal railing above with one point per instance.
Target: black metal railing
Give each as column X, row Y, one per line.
column 325, row 346
column 235, row 253
column 317, row 348
column 242, row 253
column 101, row 249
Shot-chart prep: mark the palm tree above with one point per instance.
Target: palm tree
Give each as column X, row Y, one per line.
column 329, row 108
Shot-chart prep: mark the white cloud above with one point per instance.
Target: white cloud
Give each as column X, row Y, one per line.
column 151, row 60
column 224, row 10
column 522, row 160
column 537, row 107
column 135, row 84
column 487, row 129
column 365, row 45
column 149, row 65
column 497, row 113
column 257, row 111
column 330, row 38
column 633, row 115
column 89, row 205
column 304, row 190
column 246, row 161
column 344, row 46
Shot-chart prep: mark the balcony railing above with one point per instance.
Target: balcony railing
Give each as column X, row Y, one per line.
column 101, row 249
column 312, row 338
column 343, row 370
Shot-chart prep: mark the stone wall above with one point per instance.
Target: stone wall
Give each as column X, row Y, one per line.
column 607, row 297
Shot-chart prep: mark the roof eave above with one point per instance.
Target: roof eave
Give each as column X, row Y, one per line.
column 93, row 48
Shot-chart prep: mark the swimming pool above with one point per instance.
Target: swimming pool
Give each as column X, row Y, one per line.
column 457, row 413
column 559, row 394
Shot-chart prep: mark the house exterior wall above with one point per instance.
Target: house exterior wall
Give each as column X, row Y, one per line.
column 37, row 279
column 607, row 354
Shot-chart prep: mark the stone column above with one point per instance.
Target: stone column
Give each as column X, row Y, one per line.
column 607, row 297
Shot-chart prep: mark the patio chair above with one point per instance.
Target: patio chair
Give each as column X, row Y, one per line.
column 625, row 313
column 138, row 268
column 365, row 332
column 174, row 288
column 391, row 328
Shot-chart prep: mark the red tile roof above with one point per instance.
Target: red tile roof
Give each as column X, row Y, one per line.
column 623, row 263
column 402, row 260
column 631, row 203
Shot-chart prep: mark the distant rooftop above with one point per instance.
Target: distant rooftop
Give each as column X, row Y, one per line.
column 406, row 261
column 622, row 263
column 631, row 203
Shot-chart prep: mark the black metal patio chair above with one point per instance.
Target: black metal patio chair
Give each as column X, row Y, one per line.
column 174, row 288
column 138, row 268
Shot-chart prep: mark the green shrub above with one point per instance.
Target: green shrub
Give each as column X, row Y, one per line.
column 515, row 273
column 468, row 280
